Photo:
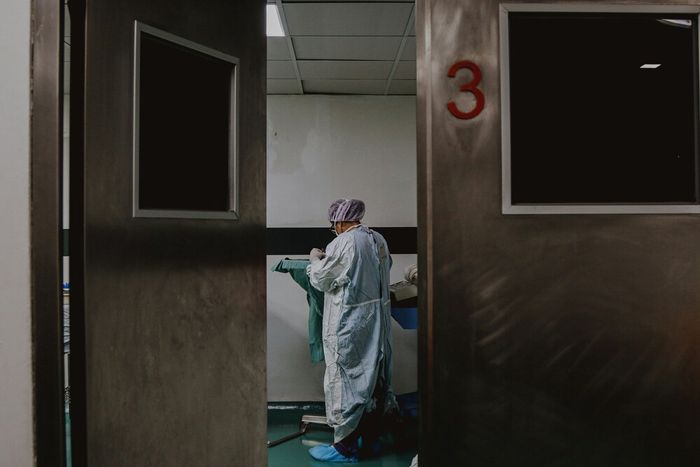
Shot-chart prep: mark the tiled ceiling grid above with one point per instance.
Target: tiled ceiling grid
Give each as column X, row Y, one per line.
column 343, row 48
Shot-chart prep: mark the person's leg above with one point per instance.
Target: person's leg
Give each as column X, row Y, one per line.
column 345, row 450
column 363, row 442
column 370, row 430
column 349, row 446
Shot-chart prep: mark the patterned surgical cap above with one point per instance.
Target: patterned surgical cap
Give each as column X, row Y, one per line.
column 346, row 210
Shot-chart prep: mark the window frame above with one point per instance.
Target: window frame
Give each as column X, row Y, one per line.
column 570, row 208
column 233, row 193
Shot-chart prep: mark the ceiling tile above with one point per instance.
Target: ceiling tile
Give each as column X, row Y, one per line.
column 347, row 19
column 346, row 48
column 277, row 48
column 339, row 69
column 409, row 50
column 282, row 86
column 405, row 70
column 280, row 69
column 344, row 86
column 403, row 86
column 342, row 1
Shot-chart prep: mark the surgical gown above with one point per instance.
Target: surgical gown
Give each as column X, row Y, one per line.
column 354, row 275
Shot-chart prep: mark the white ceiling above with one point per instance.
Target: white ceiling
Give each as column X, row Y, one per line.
column 337, row 47
column 340, row 47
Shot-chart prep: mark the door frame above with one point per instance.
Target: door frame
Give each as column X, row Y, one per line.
column 47, row 240
column 46, row 140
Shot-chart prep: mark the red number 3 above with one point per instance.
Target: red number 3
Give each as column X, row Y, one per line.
column 470, row 87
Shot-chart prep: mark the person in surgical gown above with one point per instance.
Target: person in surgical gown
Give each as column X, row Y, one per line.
column 353, row 273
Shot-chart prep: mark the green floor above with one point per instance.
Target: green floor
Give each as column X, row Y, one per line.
column 294, row 453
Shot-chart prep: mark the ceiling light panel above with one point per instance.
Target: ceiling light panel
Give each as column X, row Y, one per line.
column 274, row 25
column 346, row 48
column 347, row 19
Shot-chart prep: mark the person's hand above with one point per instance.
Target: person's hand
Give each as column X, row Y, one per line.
column 316, row 255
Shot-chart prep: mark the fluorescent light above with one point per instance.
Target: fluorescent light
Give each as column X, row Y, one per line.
column 650, row 66
column 274, row 25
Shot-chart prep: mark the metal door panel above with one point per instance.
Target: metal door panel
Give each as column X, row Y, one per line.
column 174, row 309
column 545, row 340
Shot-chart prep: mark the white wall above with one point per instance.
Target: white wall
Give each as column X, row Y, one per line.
column 321, row 148
column 16, row 433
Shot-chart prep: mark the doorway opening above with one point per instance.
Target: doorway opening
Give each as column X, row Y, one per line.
column 341, row 123
column 65, row 229
column 71, row 214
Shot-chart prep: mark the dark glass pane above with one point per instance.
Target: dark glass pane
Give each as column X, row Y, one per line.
column 589, row 125
column 184, row 126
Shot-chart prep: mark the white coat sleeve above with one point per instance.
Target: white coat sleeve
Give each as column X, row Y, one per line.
column 329, row 273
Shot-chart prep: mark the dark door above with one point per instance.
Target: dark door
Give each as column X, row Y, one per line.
column 172, row 309
column 547, row 340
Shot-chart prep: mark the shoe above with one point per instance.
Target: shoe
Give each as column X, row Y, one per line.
column 328, row 453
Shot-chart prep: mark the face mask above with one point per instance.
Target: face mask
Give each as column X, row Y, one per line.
column 333, row 229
